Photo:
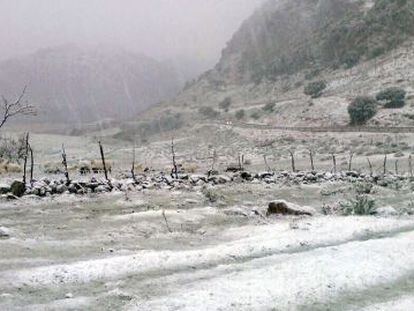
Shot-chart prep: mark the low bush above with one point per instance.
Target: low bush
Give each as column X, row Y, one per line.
column 255, row 115
column 315, row 89
column 269, row 107
column 225, row 104
column 392, row 97
column 240, row 114
column 12, row 149
column 361, row 205
column 208, row 112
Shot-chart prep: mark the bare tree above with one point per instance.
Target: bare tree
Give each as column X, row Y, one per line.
column 18, row 107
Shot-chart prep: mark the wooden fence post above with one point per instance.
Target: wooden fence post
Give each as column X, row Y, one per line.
column 311, row 160
column 396, row 167
column 103, row 160
column 175, row 168
column 410, row 165
column 351, row 156
column 334, row 163
column 26, row 155
column 133, row 166
column 31, row 165
column 385, row 165
column 65, row 164
column 266, row 164
column 292, row 156
column 371, row 171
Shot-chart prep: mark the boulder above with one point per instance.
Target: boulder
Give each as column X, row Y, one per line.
column 102, row 189
column 264, row 175
column 286, row 208
column 196, row 178
column 246, row 176
column 17, row 188
column 61, row 189
column 220, row 179
column 4, row 188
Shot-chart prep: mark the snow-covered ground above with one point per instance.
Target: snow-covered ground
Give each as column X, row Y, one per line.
column 108, row 254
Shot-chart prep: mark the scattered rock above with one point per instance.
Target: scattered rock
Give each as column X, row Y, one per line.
column 386, row 211
column 69, row 296
column 17, row 188
column 4, row 188
column 285, row 208
column 4, row 233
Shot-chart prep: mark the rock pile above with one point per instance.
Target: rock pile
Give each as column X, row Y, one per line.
column 46, row 187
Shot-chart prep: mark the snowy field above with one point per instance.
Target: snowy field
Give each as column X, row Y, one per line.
column 110, row 253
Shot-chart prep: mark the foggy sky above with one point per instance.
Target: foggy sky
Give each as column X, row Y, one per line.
column 163, row 29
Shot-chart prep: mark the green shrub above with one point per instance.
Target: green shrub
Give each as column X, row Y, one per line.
column 255, row 115
column 269, row 107
column 361, row 205
column 240, row 114
column 361, row 109
column 315, row 89
column 351, row 59
column 225, row 104
column 392, row 97
column 208, row 112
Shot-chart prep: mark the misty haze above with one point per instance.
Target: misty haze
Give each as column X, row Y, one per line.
column 207, row 155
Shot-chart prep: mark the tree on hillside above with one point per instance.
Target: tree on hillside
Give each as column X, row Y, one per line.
column 361, row 109
column 12, row 109
column 225, row 104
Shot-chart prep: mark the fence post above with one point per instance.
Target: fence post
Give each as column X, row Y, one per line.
column 371, row 172
column 311, row 160
column 103, row 160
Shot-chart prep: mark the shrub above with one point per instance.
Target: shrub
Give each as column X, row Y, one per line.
column 208, row 112
column 361, row 109
column 269, row 107
column 240, row 114
column 351, row 59
column 11, row 149
column 392, row 97
column 255, row 115
column 145, row 129
column 361, row 205
column 225, row 104
column 211, row 194
column 363, row 188
column 315, row 89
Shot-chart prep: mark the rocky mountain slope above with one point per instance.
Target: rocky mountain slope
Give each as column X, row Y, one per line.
column 358, row 47
column 73, row 84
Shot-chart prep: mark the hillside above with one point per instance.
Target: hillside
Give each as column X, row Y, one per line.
column 73, row 84
column 357, row 47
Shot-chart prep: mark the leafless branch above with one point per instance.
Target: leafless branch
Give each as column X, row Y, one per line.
column 18, row 107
